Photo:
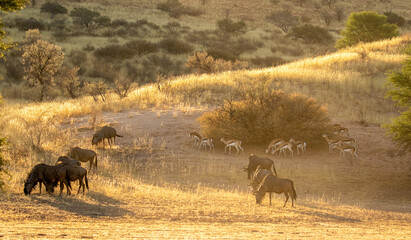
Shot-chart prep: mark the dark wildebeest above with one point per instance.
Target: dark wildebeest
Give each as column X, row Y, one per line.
column 254, row 162
column 274, row 184
column 77, row 173
column 63, row 160
column 48, row 175
column 105, row 133
column 258, row 177
column 84, row 155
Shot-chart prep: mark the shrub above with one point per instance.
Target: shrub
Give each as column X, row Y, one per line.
column 31, row 23
column 119, row 23
column 69, row 81
column 102, row 21
column 123, row 86
column 226, row 54
column 53, row 8
column 311, row 34
column 204, row 63
column 175, row 9
column 399, row 92
column 84, row 16
column 142, row 47
column 394, row 18
column 175, row 46
column 229, row 26
column 153, row 65
column 95, row 89
column 268, row 61
column 271, row 114
column 283, row 19
column 366, row 27
column 103, row 69
column 114, row 51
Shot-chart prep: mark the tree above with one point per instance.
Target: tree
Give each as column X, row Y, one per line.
column 68, row 80
column 53, row 8
column 84, row 16
column 285, row 20
column 400, row 93
column 366, row 27
column 8, row 6
column 41, row 61
column 311, row 34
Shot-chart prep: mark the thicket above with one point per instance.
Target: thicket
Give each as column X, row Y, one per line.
column 311, row 34
column 261, row 115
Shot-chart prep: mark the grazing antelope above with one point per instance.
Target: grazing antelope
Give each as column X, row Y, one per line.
column 343, row 149
column 206, row 142
column 273, row 144
column 331, row 142
column 300, row 146
column 348, row 140
column 232, row 143
column 196, row 136
column 283, row 146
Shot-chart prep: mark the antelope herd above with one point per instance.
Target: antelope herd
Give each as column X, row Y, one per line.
column 264, row 180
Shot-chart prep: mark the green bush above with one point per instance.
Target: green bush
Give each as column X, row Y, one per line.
column 267, row 115
column 175, row 46
column 84, row 16
column 399, row 92
column 53, row 8
column 311, row 34
column 366, row 27
column 394, row 18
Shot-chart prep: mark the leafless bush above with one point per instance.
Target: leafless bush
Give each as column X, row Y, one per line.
column 95, row 89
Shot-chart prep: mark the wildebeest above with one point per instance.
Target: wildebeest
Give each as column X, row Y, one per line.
column 48, row 175
column 63, row 160
column 84, row 155
column 258, row 177
column 274, row 184
column 254, row 162
column 77, row 173
column 105, row 132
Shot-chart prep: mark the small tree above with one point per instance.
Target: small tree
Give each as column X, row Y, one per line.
column 68, row 80
column 96, row 89
column 311, row 34
column 41, row 61
column 366, row 27
column 284, row 19
column 84, row 16
column 205, row 63
column 123, row 86
column 400, row 93
column 53, row 8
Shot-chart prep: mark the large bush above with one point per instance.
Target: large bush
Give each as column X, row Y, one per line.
column 394, row 18
column 399, row 92
column 311, row 34
column 270, row 114
column 53, row 8
column 366, row 27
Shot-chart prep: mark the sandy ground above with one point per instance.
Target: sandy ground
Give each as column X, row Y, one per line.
column 157, row 143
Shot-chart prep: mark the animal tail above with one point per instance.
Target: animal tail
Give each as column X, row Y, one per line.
column 86, row 180
column 95, row 161
column 294, row 192
column 118, row 135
